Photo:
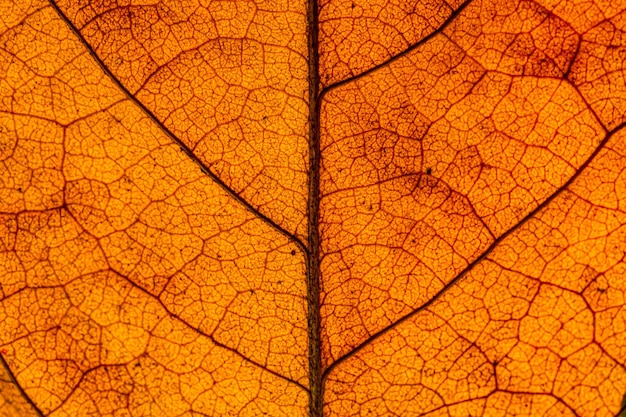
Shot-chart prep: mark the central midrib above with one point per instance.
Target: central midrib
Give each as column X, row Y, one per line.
column 313, row 241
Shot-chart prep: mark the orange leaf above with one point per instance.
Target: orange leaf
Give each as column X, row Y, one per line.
column 347, row 208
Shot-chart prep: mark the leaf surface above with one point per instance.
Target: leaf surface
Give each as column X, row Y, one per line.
column 289, row 208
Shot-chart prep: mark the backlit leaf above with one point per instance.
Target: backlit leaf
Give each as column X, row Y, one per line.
column 343, row 208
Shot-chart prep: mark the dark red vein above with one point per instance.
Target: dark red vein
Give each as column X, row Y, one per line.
column 203, row 167
column 19, row 387
column 316, row 401
column 399, row 55
column 471, row 266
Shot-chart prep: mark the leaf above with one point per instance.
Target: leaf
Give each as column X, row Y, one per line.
column 344, row 208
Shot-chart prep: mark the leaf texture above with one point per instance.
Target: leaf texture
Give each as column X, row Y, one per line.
column 340, row 208
column 120, row 283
